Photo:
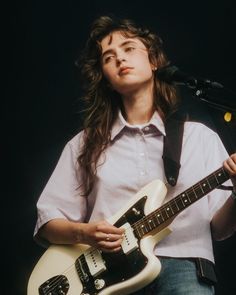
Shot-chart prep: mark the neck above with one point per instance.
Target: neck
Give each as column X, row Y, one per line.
column 138, row 107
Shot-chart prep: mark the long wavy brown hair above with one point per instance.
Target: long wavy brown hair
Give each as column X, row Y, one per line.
column 101, row 102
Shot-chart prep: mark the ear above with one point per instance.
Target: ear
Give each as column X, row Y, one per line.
column 153, row 59
column 154, row 66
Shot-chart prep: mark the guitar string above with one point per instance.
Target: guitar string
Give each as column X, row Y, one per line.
column 137, row 224
column 54, row 283
column 169, row 203
column 179, row 197
column 165, row 206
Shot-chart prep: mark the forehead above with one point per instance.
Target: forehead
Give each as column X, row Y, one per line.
column 117, row 38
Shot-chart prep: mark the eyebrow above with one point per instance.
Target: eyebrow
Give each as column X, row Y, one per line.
column 121, row 45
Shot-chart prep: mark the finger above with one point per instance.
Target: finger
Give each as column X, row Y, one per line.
column 106, row 227
column 112, row 237
column 116, row 230
column 233, row 157
column 230, row 166
column 110, row 245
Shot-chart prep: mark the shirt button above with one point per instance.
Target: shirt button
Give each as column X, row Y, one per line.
column 142, row 173
column 141, row 154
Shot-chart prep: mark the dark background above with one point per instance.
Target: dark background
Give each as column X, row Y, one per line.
column 41, row 41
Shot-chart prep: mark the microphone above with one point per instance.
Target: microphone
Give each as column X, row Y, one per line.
column 207, row 91
column 171, row 74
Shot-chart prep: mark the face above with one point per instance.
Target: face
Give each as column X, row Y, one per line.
column 125, row 63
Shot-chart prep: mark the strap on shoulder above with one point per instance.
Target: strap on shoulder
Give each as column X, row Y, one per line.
column 174, row 127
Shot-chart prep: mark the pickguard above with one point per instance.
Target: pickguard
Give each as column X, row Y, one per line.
column 120, row 266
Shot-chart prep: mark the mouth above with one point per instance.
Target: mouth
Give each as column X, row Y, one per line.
column 124, row 70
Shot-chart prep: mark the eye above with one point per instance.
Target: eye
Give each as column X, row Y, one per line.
column 108, row 58
column 130, row 48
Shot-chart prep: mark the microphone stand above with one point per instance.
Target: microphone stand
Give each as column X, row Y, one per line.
column 214, row 94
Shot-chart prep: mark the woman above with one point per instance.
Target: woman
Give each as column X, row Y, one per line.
column 120, row 151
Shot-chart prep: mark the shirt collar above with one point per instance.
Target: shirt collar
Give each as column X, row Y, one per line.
column 120, row 124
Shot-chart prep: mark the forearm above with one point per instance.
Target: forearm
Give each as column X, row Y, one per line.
column 223, row 223
column 62, row 231
column 99, row 234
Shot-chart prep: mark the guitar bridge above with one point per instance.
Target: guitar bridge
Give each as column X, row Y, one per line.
column 55, row 285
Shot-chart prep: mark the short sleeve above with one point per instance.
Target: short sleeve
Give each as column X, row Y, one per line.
column 215, row 154
column 61, row 197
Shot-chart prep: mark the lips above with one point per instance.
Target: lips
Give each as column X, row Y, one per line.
column 124, row 70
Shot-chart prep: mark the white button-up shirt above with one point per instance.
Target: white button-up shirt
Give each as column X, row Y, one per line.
column 133, row 159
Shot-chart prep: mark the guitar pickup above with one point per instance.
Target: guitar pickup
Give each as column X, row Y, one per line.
column 129, row 242
column 94, row 261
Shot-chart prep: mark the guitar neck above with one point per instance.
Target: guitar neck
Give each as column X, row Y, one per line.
column 180, row 202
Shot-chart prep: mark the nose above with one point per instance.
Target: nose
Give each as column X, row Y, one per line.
column 119, row 59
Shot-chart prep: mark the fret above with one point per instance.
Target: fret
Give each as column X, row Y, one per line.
column 143, row 229
column 224, row 174
column 204, row 186
column 186, row 202
column 220, row 176
column 183, row 199
column 176, row 204
column 199, row 191
column 212, row 181
column 216, row 178
column 153, row 218
column 167, row 210
column 164, row 214
column 195, row 193
column 201, row 188
column 188, row 194
column 173, row 212
column 151, row 223
column 145, row 224
column 156, row 220
column 208, row 182
column 159, row 215
column 138, row 232
column 180, row 202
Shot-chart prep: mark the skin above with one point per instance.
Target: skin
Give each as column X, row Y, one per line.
column 126, row 66
column 223, row 223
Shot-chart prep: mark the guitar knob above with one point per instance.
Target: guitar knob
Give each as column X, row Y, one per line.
column 99, row 284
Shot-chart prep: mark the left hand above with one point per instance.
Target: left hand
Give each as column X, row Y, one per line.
column 230, row 167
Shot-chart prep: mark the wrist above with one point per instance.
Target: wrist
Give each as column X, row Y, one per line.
column 78, row 233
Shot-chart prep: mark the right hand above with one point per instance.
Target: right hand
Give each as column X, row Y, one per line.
column 102, row 235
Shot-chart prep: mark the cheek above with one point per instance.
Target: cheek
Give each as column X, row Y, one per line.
column 145, row 69
column 108, row 73
column 144, row 64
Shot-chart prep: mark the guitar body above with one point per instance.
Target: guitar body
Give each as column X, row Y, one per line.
column 81, row 269
column 84, row 270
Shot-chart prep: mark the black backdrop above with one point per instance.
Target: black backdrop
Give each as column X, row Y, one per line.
column 41, row 41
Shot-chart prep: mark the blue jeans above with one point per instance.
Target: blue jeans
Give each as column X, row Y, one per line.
column 177, row 277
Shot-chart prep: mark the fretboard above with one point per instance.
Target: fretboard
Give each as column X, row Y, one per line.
column 180, row 202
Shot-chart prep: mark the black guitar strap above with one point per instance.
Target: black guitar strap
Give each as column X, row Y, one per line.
column 174, row 127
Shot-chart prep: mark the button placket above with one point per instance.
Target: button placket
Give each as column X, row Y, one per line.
column 141, row 163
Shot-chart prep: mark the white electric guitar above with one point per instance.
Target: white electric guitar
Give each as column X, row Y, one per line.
column 84, row 270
